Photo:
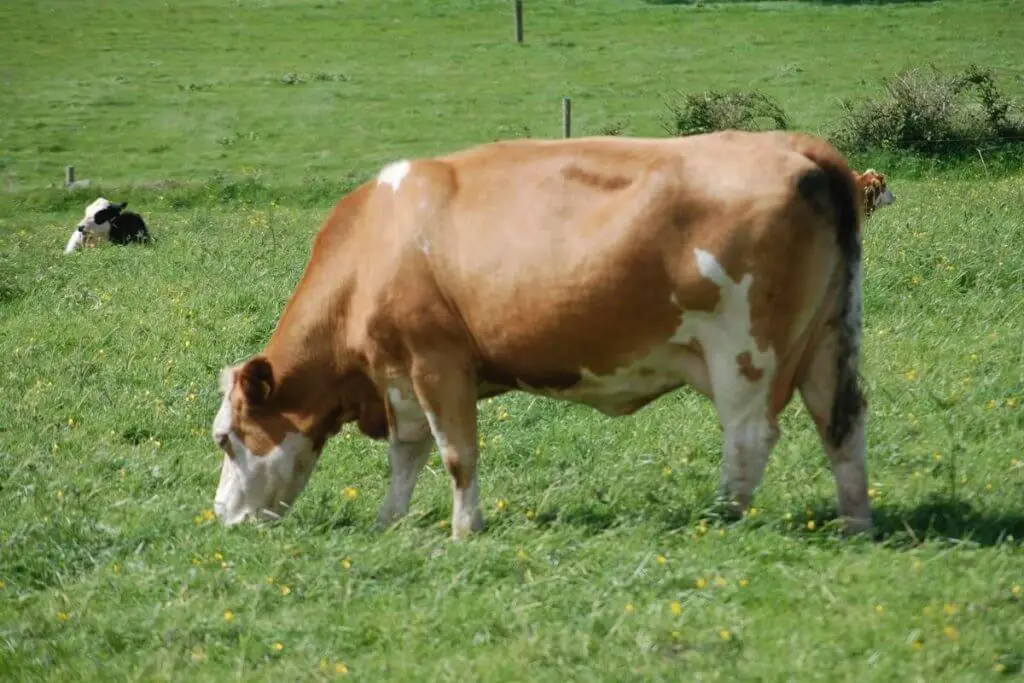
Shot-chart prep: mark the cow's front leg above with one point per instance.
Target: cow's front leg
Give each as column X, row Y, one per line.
column 409, row 446
column 447, row 392
column 406, row 460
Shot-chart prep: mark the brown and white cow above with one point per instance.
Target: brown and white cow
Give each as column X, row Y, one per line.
column 875, row 189
column 606, row 271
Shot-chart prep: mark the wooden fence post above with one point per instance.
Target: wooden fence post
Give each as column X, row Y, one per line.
column 566, row 117
column 519, row 21
column 69, row 176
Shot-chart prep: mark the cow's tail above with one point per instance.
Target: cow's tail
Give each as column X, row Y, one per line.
column 836, row 179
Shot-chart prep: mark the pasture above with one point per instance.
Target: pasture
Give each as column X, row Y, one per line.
column 232, row 126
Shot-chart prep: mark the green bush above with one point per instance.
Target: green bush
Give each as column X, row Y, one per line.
column 705, row 112
column 930, row 112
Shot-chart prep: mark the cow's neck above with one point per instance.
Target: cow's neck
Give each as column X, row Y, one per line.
column 305, row 373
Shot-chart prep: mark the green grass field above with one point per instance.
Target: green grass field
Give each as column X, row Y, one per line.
column 599, row 562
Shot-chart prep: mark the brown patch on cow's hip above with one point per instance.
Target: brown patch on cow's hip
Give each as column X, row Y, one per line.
column 747, row 368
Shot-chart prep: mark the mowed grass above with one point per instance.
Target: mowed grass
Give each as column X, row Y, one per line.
column 599, row 561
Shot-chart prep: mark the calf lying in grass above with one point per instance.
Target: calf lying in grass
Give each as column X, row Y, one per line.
column 104, row 220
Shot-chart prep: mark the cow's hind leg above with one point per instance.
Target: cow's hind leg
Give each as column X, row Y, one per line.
column 840, row 414
column 749, row 429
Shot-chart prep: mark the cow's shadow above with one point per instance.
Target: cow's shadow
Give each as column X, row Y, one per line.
column 939, row 518
column 946, row 518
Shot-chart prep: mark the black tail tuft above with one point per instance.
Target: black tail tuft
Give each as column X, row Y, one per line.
column 848, row 402
column 831, row 188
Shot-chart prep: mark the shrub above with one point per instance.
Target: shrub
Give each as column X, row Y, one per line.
column 930, row 112
column 710, row 111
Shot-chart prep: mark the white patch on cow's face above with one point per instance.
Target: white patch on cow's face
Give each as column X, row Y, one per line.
column 393, row 174
column 260, row 486
column 884, row 198
column 75, row 241
column 88, row 222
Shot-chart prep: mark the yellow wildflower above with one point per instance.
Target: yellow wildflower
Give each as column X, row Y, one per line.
column 1015, row 590
column 628, row 609
column 228, row 615
column 501, row 504
column 700, row 583
column 278, row 647
column 285, row 590
column 949, row 608
column 910, row 375
column 346, row 563
column 530, row 514
column 521, row 554
column 951, row 633
column 341, row 669
column 720, row 582
column 744, row 583
column 810, row 525
column 351, row 492
column 675, row 608
column 724, row 634
column 661, row 559
column 667, row 471
column 879, row 609
column 62, row 616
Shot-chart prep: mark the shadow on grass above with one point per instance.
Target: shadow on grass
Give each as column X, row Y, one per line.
column 939, row 518
column 943, row 518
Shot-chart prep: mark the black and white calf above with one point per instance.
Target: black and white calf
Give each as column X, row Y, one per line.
column 104, row 220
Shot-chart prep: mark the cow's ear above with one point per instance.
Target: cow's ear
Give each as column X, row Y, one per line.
column 256, row 379
column 118, row 208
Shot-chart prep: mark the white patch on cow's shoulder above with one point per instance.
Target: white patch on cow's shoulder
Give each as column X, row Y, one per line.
column 393, row 174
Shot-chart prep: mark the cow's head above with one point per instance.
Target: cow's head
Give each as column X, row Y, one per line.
column 272, row 435
column 876, row 192
column 97, row 217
